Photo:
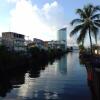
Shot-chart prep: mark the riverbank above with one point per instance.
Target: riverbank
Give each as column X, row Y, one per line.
column 20, row 60
column 90, row 59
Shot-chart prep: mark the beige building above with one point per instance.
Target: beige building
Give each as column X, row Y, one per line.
column 38, row 43
column 13, row 41
column 56, row 45
column 31, row 45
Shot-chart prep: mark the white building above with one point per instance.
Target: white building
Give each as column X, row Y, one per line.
column 62, row 36
column 13, row 41
column 52, row 44
column 56, row 44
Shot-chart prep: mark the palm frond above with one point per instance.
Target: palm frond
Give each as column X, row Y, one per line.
column 96, row 16
column 95, row 9
column 97, row 21
column 97, row 24
column 90, row 9
column 76, row 29
column 82, row 35
column 95, row 31
column 81, row 13
column 75, row 21
column 87, row 10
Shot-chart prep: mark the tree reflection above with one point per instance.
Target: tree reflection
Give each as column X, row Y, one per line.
column 4, row 88
column 93, row 79
column 15, row 78
column 5, row 85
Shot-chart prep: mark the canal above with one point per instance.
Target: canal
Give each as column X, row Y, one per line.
column 64, row 79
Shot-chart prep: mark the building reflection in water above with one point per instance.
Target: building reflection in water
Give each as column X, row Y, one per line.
column 62, row 65
column 93, row 77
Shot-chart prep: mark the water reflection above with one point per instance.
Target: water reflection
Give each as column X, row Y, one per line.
column 62, row 65
column 56, row 81
column 5, row 87
column 10, row 80
column 93, row 77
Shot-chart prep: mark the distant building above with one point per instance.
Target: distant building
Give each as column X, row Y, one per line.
column 75, row 47
column 52, row 44
column 31, row 45
column 39, row 43
column 46, row 45
column 28, row 42
column 56, row 44
column 13, row 41
column 62, row 36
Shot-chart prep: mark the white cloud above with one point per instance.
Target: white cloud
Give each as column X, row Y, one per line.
column 54, row 14
column 47, row 7
column 12, row 1
column 36, row 22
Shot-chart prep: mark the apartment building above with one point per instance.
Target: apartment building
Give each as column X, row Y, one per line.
column 56, row 44
column 14, row 41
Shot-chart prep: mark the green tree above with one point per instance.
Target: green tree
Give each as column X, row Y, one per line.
column 88, row 22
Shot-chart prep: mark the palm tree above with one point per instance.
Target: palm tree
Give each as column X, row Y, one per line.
column 88, row 22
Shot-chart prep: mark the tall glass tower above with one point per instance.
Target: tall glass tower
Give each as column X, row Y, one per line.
column 62, row 35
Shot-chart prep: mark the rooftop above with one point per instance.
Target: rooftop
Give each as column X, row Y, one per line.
column 62, row 29
column 13, row 33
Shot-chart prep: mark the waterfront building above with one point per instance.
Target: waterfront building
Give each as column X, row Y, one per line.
column 56, row 44
column 13, row 41
column 62, row 36
column 31, row 45
column 28, row 42
column 46, row 45
column 52, row 44
column 38, row 43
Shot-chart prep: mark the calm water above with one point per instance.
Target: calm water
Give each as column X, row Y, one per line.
column 65, row 79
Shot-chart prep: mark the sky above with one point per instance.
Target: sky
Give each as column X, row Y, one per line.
column 39, row 18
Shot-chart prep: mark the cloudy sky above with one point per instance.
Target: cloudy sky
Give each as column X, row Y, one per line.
column 39, row 18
